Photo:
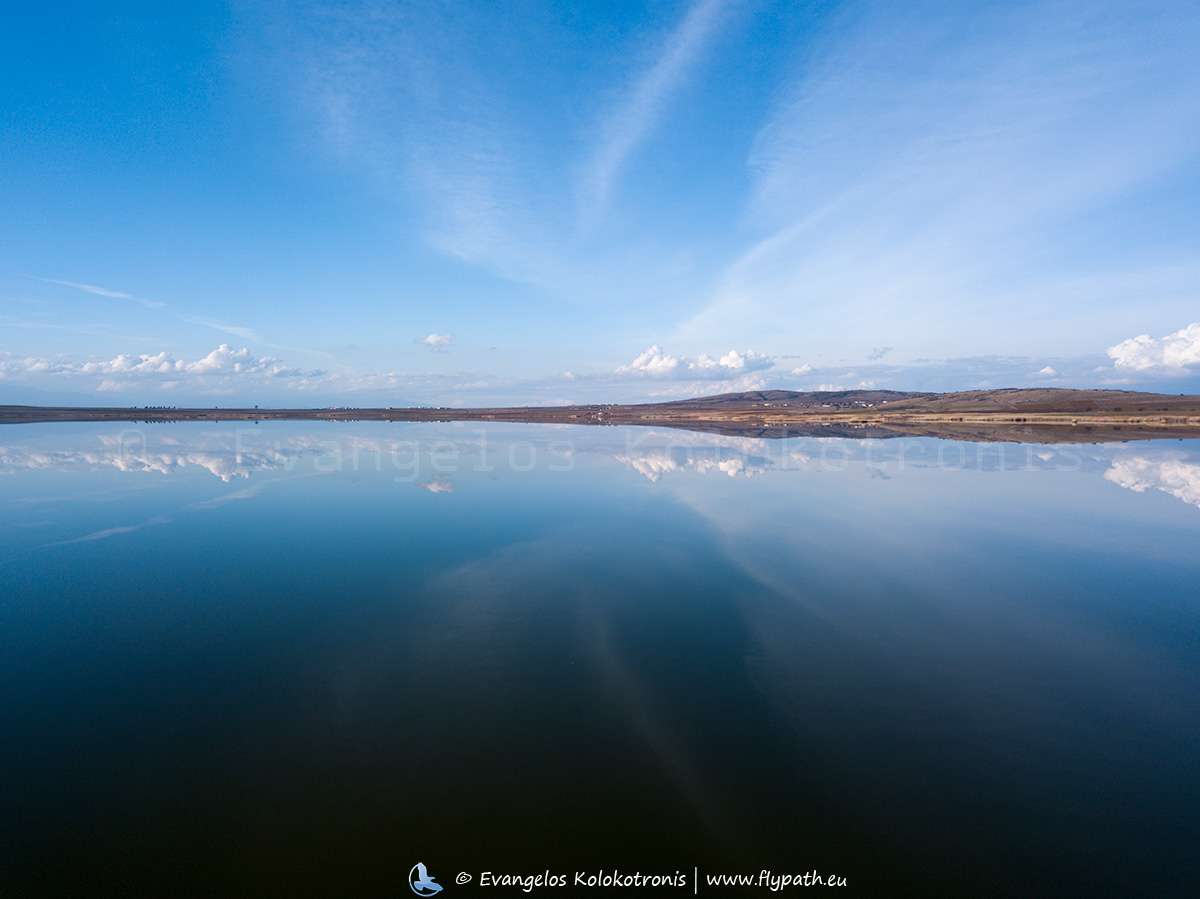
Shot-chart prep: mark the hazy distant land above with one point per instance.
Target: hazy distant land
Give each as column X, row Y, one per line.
column 1035, row 415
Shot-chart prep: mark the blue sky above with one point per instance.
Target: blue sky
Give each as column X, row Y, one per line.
column 542, row 202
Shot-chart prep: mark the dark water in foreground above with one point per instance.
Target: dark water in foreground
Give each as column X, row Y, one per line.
column 297, row 659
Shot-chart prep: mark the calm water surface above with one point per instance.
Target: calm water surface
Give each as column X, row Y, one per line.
column 294, row 659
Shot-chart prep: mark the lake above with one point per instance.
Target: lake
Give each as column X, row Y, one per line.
column 298, row 658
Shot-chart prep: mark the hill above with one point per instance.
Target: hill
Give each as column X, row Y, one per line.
column 1039, row 414
column 1005, row 400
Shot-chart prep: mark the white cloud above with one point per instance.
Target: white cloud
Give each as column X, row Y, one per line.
column 105, row 292
column 1176, row 352
column 399, row 97
column 224, row 360
column 236, row 330
column 437, row 486
column 921, row 167
column 16, row 366
column 1048, row 371
column 654, row 362
column 437, row 341
column 802, row 370
column 1172, row 476
column 629, row 124
column 660, row 389
column 864, row 384
column 240, row 331
column 126, row 369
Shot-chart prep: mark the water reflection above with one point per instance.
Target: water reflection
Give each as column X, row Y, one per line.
column 653, row 465
column 224, row 456
column 429, row 455
column 805, row 652
column 1170, row 473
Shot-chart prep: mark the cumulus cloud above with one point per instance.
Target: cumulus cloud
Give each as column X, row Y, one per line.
column 437, row 341
column 654, row 362
column 1048, row 371
column 224, row 362
column 801, row 370
column 1176, row 352
column 437, row 486
column 15, row 366
column 1173, row 476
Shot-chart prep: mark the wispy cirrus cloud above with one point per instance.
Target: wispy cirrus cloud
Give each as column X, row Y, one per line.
column 635, row 117
column 400, row 95
column 239, row 331
column 487, row 158
column 940, row 175
column 106, row 292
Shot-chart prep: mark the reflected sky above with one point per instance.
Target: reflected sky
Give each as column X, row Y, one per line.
column 435, row 456
column 858, row 655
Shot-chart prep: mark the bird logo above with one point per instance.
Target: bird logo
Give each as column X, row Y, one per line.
column 421, row 882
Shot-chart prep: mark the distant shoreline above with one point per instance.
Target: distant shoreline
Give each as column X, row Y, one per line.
column 1027, row 415
column 590, row 415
